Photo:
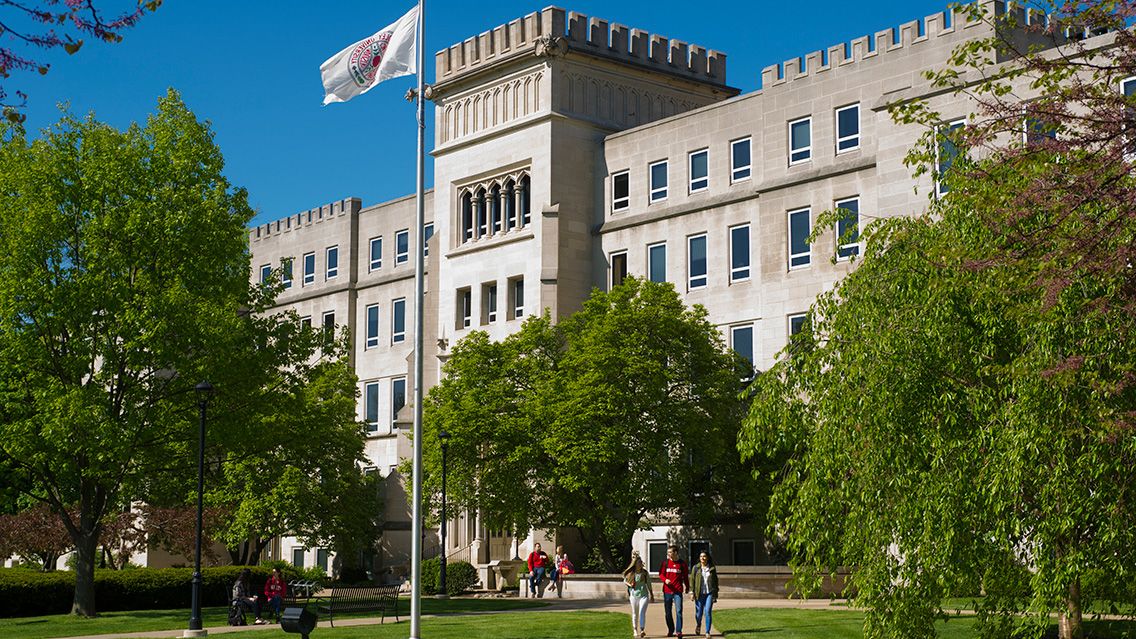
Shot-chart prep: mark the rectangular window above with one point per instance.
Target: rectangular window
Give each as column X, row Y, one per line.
column 329, row 326
column 657, row 262
column 489, row 295
column 797, row 323
column 401, row 247
column 947, row 151
column 799, row 250
column 620, row 191
column 376, row 253
column 800, row 140
column 398, row 398
column 744, row 552
column 332, row 262
column 427, row 233
column 656, row 553
column 286, row 275
column 848, row 128
column 298, row 557
column 398, row 321
column 1037, row 131
column 265, row 273
column 699, row 171
column 306, row 321
column 658, row 172
column 741, row 340
column 739, row 253
column 618, row 268
column 321, row 558
column 1128, row 87
column 371, row 397
column 465, row 308
column 372, row 326
column 309, row 268
column 696, row 261
column 517, row 291
column 740, row 162
column 848, row 229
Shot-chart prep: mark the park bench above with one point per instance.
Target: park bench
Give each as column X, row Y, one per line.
column 359, row 599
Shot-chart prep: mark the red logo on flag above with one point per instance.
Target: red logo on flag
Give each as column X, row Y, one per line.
column 365, row 59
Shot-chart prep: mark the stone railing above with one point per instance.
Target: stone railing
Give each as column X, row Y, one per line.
column 734, row 582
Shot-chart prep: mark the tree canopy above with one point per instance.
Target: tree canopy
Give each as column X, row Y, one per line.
column 959, row 417
column 624, row 411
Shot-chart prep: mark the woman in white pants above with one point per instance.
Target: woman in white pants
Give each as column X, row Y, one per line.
column 638, row 582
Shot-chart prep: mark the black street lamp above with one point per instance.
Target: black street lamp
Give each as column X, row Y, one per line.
column 204, row 391
column 444, row 438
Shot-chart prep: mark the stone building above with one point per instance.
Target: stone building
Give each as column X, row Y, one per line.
column 570, row 152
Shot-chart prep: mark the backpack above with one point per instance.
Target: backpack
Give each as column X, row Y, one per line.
column 237, row 615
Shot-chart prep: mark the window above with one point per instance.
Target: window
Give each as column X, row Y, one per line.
column 658, row 172
column 848, row 128
column 371, row 399
column 526, row 215
column 401, row 247
column 306, row 321
column 398, row 321
column 699, row 171
column 465, row 308
column 744, row 552
column 309, row 268
column 620, row 191
column 697, row 547
column 657, row 262
column 947, row 151
column 298, row 557
column 656, row 553
column 848, row 229
column 510, row 205
column 265, row 273
column 797, row 323
column 398, row 398
column 329, row 326
column 618, row 268
column 286, row 267
column 1128, row 87
column 427, row 233
column 332, row 262
column 376, row 253
column 517, row 291
column 799, row 251
column 696, row 261
column 372, row 326
column 1036, row 131
column 489, row 295
column 741, row 340
column 739, row 253
column 467, row 216
column 800, row 140
column 495, row 209
column 740, row 163
column 482, row 214
column 321, row 558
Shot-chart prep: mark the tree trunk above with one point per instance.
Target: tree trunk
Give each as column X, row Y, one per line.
column 1069, row 625
column 86, row 550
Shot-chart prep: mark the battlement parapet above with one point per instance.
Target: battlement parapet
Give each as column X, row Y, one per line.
column 346, row 206
column 554, row 31
column 896, row 40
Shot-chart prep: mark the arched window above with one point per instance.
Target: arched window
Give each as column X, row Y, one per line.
column 482, row 219
column 510, row 205
column 526, row 208
column 467, row 217
column 495, row 208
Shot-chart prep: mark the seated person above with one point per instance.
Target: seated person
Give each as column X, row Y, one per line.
column 243, row 598
column 275, row 590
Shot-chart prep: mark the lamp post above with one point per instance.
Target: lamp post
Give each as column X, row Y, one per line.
column 443, row 437
column 204, row 391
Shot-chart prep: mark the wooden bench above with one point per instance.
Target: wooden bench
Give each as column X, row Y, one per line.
column 359, row 599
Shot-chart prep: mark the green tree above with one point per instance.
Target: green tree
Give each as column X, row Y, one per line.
column 959, row 417
column 624, row 411
column 124, row 280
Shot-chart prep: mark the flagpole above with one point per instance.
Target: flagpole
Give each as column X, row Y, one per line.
column 419, row 289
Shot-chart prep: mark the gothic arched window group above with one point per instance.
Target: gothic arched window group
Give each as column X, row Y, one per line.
column 495, row 206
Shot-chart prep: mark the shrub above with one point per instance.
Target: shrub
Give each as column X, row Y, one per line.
column 353, row 575
column 460, row 576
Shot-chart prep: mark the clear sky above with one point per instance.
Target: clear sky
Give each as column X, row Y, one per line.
column 251, row 67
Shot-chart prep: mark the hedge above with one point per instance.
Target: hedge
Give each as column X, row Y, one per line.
column 25, row 593
column 460, row 576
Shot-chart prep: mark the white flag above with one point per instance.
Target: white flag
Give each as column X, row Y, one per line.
column 391, row 52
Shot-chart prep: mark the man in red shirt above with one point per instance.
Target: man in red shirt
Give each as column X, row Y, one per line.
column 538, row 566
column 676, row 579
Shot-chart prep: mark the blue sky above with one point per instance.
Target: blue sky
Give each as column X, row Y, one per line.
column 251, row 67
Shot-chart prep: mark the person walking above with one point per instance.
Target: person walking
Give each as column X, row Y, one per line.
column 538, row 567
column 704, row 590
column 676, row 580
column 639, row 591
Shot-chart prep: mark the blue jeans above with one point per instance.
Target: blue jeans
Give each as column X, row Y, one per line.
column 674, row 624
column 535, row 579
column 703, row 605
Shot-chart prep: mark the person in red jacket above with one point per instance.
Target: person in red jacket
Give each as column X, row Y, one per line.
column 274, row 591
column 676, row 580
column 538, row 567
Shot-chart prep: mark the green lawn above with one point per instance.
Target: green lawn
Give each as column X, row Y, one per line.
column 149, row 620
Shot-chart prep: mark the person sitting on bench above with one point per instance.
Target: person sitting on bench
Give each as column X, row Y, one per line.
column 243, row 598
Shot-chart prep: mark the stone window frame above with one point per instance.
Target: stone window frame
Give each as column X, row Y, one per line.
column 656, row 194
column 613, row 273
column 286, row 272
column 855, row 137
column 512, row 204
column 371, row 419
column 516, row 294
column 464, row 308
column 398, row 316
column 752, row 345
column 309, row 260
column 650, row 272
column 701, row 280
column 805, row 152
column 741, row 173
column 798, row 260
column 373, row 263
column 622, row 203
column 705, row 179
column 401, row 257
column 736, row 274
column 331, row 272
column 845, row 252
column 371, row 338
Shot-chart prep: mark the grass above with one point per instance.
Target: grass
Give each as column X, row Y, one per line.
column 153, row 620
